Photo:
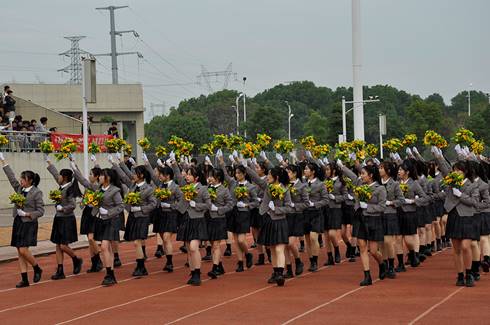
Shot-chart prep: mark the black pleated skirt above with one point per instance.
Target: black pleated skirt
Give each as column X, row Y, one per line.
column 439, row 207
column 356, row 222
column 230, row 219
column 273, row 232
column 24, row 234
column 391, row 224
column 313, row 221
column 216, row 229
column 459, row 227
column 371, row 228
column 347, row 214
column 64, row 230
column 333, row 219
column 240, row 223
column 192, row 229
column 430, row 215
column 408, row 223
column 256, row 220
column 166, row 221
column 136, row 228
column 87, row 223
column 122, row 222
column 296, row 224
column 477, row 218
column 421, row 216
column 485, row 224
column 107, row 229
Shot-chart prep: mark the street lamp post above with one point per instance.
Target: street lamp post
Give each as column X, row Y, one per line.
column 244, row 110
column 372, row 99
column 237, row 119
column 469, row 100
column 289, row 119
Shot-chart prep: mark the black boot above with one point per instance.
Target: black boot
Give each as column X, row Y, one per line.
column 279, row 277
column 438, row 244
column 261, row 260
column 269, row 254
column 469, row 279
column 159, row 252
column 208, row 256
column 337, row 254
column 401, row 265
column 367, row 279
column 313, row 264
column 169, row 267
column 352, row 254
column 239, row 267
column 382, row 271
column 93, row 266
column 428, row 250
column 249, row 260
column 289, row 272
column 273, row 276
column 221, row 269
column 485, row 264
column 37, row 273
column 460, row 280
column 227, row 250
column 301, row 248
column 475, row 270
column 190, row 278
column 330, row 260
column 213, row 274
column 117, row 260
column 420, row 256
column 183, row 249
column 391, row 269
column 77, row 264
column 299, row 266
column 140, row 269
column 109, row 278
column 99, row 265
column 320, row 240
column 143, row 248
column 348, row 252
column 196, row 278
column 59, row 275
column 414, row 261
column 24, row 282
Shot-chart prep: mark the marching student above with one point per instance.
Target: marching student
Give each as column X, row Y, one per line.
column 371, row 223
column 438, row 197
column 25, row 226
column 108, row 221
column 64, row 230
column 87, row 223
column 194, row 229
column 423, row 212
column 221, row 203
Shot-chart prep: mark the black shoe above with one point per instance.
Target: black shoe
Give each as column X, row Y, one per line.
column 414, row 260
column 22, row 284
column 249, row 260
column 221, row 269
column 261, row 260
column 108, row 281
column 169, row 268
column 337, row 257
column 469, row 280
column 280, row 280
column 273, row 278
column 400, row 268
column 382, row 271
column 301, row 249
column 212, row 274
column 207, row 258
column 485, row 266
column 422, row 257
column 460, row 282
column 77, row 265
column 227, row 252
column 367, row 279
column 476, row 276
column 299, row 268
column 183, row 249
column 37, row 276
column 289, row 274
column 117, row 262
column 254, row 245
column 138, row 272
column 313, row 267
column 239, row 267
column 159, row 253
column 329, row 261
column 428, row 252
column 438, row 246
column 58, row 276
column 391, row 273
column 195, row 279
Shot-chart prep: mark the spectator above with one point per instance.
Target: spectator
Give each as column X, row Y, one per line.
column 2, row 98
column 9, row 104
column 53, row 129
column 43, row 125
column 34, row 123
column 89, row 122
column 113, row 130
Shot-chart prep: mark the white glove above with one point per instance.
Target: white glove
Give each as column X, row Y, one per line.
column 159, row 162
column 168, row 162
column 409, row 151
column 415, row 151
column 254, row 161
column 240, row 204
column 73, row 166
column 363, row 205
column 457, row 148
column 144, row 157
column 93, row 158
column 352, row 156
column 397, row 156
column 135, row 209
column 263, row 155
column 186, row 160
column 272, row 206
column 59, row 208
column 118, row 156
column 339, row 163
column 350, row 197
column 409, row 201
column 1, row 156
column 219, row 153
column 292, row 154
column 48, row 160
column 311, row 204
column 439, row 152
column 214, row 208
column 279, row 157
column 466, row 151
column 21, row 213
column 164, row 205
column 331, row 196
column 376, row 161
column 235, row 154
column 131, row 161
column 171, row 155
column 326, row 161
column 192, row 203
column 320, row 162
column 416, row 197
column 259, row 199
column 208, row 160
column 308, row 154
column 109, row 157
column 433, row 150
column 456, row 192
column 291, row 204
column 232, row 159
column 388, row 203
column 103, row 211
column 243, row 161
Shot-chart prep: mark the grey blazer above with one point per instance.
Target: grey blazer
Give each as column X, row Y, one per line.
column 377, row 204
column 393, row 194
column 424, row 184
column 464, row 205
column 414, row 189
column 483, row 203
column 175, row 197
column 317, row 193
column 178, row 175
column 122, row 175
column 260, row 182
column 85, row 182
column 148, row 201
column 203, row 203
column 224, row 202
column 67, row 201
column 281, row 207
column 299, row 196
column 340, row 192
column 435, row 184
column 112, row 202
column 33, row 204
column 251, row 200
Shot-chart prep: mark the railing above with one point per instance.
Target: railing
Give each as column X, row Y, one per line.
column 23, row 141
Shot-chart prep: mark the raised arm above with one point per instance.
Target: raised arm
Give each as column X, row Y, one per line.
column 82, row 180
column 154, row 177
column 11, row 177
column 54, row 172
column 122, row 175
column 262, row 183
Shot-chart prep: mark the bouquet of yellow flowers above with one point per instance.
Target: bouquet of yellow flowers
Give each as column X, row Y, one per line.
column 213, row 195
column 234, row 142
column 283, row 146
column 263, row 140
column 94, row 148
column 393, row 145
column 207, row 149
column 3, row 140
column 431, row 138
column 308, row 142
column 292, row 189
column 404, row 188
column 358, row 145
column 364, row 193
column 346, row 146
column 277, row 191
column 477, row 147
column 219, row 141
column 241, row 192
column 189, row 192
column 464, row 136
column 342, row 155
column 68, row 146
column 92, row 198
column 372, row 150
column 128, row 149
column 329, row 185
column 46, row 147
column 348, row 182
column 160, row 151
column 320, row 150
column 409, row 139
column 55, row 196
column 185, row 149
column 249, row 150
column 132, row 198
column 162, row 193
column 113, row 145
column 17, row 199
column 453, row 179
column 144, row 143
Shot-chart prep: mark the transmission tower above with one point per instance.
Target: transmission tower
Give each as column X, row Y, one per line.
column 206, row 75
column 114, row 54
column 75, row 53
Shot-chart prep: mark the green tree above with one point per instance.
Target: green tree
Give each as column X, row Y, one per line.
column 316, row 125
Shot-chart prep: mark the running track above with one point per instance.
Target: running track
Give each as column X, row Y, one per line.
column 425, row 295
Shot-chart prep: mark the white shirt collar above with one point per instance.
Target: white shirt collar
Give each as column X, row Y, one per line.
column 168, row 183
column 106, row 188
column 335, row 178
column 65, row 185
column 437, row 173
column 312, row 181
column 373, row 183
column 27, row 189
column 141, row 184
column 243, row 183
column 385, row 182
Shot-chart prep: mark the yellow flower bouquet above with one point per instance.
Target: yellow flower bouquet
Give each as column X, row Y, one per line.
column 160, row 151
column 409, row 139
column 92, row 198
column 113, row 145
column 263, row 140
column 3, row 140
column 308, row 142
column 277, row 191
column 68, row 146
column 144, row 143
column 453, row 179
column 320, row 150
column 292, row 189
column 94, row 148
column 234, row 142
column 393, row 145
column 477, row 147
column 46, row 147
column 17, row 199
column 464, row 136
column 207, row 149
column 128, row 149
column 372, row 150
column 329, row 185
column 213, row 195
column 364, row 193
column 404, row 188
column 241, row 192
column 162, row 193
column 432, row 138
column 55, row 196
column 283, row 146
column 219, row 141
column 189, row 192
column 249, row 150
column 132, row 198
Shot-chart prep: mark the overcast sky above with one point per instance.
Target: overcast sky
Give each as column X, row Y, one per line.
column 417, row 45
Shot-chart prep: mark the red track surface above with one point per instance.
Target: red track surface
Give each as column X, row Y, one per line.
column 424, row 295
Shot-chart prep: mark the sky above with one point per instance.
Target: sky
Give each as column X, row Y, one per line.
column 419, row 46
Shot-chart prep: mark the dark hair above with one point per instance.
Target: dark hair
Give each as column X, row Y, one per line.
column 242, row 170
column 390, row 168
column 43, row 119
column 319, row 173
column 408, row 166
column 338, row 171
column 194, row 161
column 373, row 171
column 197, row 173
column 280, row 174
column 218, row 174
column 463, row 166
column 431, row 166
column 114, row 123
column 263, row 166
column 74, row 189
column 32, row 176
column 6, row 87
column 421, row 168
column 96, row 171
column 141, row 171
column 113, row 178
column 295, row 169
column 230, row 171
column 477, row 170
column 33, row 121
column 167, row 171
column 9, row 92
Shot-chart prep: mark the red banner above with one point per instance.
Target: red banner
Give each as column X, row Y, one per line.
column 100, row 139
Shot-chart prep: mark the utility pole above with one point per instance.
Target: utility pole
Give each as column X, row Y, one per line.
column 114, row 54
column 75, row 55
column 356, row 71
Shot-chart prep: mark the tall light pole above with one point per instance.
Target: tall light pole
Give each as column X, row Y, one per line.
column 244, row 111
column 289, row 119
column 372, row 99
column 237, row 119
column 356, row 71
column 382, row 131
column 469, row 100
